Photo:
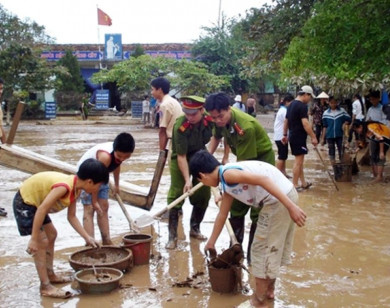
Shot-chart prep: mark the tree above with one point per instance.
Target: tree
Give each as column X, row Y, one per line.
column 134, row 75
column 138, row 51
column 69, row 83
column 20, row 64
column 221, row 50
column 270, row 30
column 343, row 47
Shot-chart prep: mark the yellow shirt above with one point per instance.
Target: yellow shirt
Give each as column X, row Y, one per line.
column 379, row 130
column 35, row 189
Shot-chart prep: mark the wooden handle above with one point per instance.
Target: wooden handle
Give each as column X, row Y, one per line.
column 228, row 225
column 178, row 200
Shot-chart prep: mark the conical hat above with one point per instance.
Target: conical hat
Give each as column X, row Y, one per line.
column 322, row 95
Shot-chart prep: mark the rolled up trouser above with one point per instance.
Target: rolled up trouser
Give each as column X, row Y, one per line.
column 237, row 220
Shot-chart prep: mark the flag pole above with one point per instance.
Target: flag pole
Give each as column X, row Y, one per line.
column 98, row 34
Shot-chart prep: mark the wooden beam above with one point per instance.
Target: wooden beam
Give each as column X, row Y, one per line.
column 15, row 123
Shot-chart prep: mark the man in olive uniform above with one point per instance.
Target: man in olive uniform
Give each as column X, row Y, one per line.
column 191, row 132
column 248, row 140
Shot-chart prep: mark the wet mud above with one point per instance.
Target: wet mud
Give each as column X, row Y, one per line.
column 341, row 257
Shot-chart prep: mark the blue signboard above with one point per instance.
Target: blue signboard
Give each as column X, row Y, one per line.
column 136, row 109
column 113, row 46
column 102, row 99
column 50, row 110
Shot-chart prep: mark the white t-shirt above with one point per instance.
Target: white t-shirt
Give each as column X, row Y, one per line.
column 279, row 123
column 252, row 195
column 357, row 110
column 145, row 106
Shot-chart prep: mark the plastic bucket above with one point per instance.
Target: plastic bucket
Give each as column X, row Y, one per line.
column 225, row 280
column 342, row 172
column 139, row 244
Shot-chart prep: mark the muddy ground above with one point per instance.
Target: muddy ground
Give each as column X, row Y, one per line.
column 341, row 257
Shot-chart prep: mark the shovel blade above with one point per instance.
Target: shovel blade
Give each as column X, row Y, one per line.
column 143, row 221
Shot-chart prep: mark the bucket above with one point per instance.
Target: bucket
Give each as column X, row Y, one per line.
column 225, row 280
column 342, row 172
column 139, row 244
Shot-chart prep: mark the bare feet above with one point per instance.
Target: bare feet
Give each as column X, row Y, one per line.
column 60, row 278
column 256, row 302
column 107, row 243
column 49, row 290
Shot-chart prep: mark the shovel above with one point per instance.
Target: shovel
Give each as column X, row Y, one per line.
column 232, row 255
column 133, row 227
column 326, row 167
column 147, row 220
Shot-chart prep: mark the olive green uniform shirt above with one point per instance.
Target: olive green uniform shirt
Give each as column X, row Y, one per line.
column 249, row 141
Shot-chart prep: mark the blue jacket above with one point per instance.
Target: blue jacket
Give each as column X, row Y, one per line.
column 333, row 121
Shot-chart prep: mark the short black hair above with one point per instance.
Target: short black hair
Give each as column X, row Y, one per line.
column 161, row 83
column 202, row 161
column 124, row 142
column 375, row 94
column 217, row 101
column 93, row 169
column 288, row 98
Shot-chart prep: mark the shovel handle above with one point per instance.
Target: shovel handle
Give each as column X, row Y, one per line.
column 228, row 225
column 130, row 221
column 178, row 200
column 326, row 168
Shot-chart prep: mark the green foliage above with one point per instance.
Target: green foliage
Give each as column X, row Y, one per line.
column 69, row 83
column 138, row 51
column 344, row 47
column 270, row 31
column 70, row 79
column 221, row 50
column 20, row 49
column 135, row 75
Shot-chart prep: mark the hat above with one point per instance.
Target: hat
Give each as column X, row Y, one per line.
column 238, row 98
column 191, row 104
column 307, row 90
column 323, row 95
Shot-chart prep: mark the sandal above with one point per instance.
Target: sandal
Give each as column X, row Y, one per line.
column 308, row 184
column 3, row 213
column 58, row 293
column 299, row 188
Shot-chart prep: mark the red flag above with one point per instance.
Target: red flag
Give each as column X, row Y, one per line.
column 103, row 18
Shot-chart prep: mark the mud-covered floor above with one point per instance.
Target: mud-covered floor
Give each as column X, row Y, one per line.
column 341, row 257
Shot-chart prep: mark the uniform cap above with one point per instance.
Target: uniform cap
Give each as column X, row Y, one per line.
column 191, row 104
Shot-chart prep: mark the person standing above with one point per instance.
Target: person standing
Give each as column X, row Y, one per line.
column 251, row 106
column 3, row 136
column 239, row 104
column 191, row 132
column 375, row 112
column 298, row 127
column 278, row 134
column 358, row 114
column 333, row 121
column 169, row 109
column 248, row 140
column 146, row 110
column 317, row 111
column 111, row 154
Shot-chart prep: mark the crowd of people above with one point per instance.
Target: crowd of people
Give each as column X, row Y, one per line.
column 192, row 128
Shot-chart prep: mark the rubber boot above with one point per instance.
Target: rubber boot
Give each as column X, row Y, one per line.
column 196, row 218
column 173, row 221
column 238, row 225
column 250, row 240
